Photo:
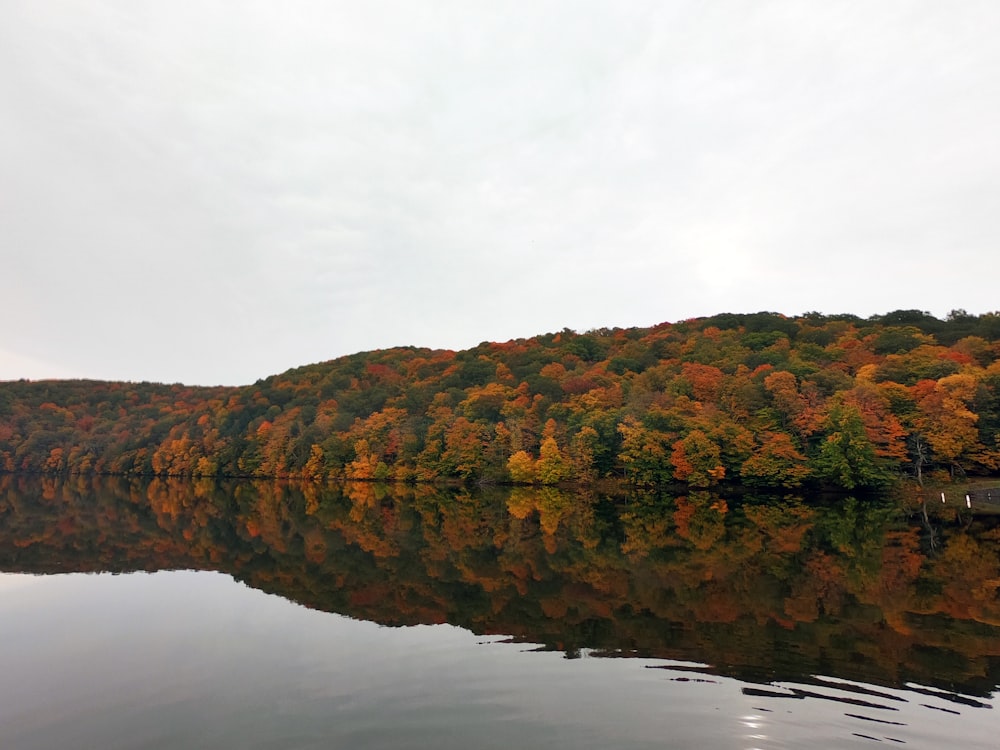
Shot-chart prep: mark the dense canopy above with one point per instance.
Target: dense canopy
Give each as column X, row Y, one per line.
column 762, row 399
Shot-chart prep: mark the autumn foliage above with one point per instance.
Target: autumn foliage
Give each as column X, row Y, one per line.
column 762, row 399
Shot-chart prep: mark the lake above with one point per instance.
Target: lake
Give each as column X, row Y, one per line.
column 175, row 614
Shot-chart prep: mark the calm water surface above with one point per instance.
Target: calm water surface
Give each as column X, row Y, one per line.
column 278, row 617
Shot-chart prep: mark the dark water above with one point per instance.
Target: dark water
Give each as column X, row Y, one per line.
column 181, row 615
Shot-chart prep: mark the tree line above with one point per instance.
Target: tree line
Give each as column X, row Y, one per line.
column 760, row 399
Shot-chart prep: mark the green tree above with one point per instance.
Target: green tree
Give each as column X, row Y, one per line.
column 847, row 457
column 644, row 453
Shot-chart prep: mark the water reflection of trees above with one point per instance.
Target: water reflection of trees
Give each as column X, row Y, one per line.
column 758, row 590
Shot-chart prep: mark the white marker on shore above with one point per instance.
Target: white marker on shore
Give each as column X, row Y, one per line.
column 968, row 502
column 942, row 497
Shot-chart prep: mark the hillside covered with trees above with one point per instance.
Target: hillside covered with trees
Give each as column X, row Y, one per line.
column 760, row 399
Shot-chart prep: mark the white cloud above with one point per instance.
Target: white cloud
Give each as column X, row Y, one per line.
column 14, row 366
column 213, row 192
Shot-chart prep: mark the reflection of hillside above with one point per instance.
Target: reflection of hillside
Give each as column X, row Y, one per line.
column 783, row 590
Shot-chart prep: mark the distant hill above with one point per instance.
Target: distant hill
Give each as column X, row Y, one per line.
column 761, row 399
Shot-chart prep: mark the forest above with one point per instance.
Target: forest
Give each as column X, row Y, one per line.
column 760, row 400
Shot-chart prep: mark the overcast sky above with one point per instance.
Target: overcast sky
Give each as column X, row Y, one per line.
column 213, row 192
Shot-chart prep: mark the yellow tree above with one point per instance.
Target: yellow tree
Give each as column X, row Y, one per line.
column 315, row 467
column 552, row 466
column 521, row 467
column 366, row 463
column 583, row 448
column 945, row 420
